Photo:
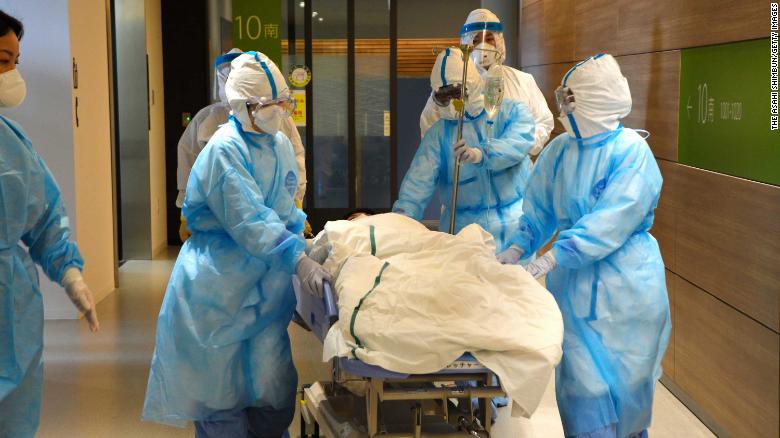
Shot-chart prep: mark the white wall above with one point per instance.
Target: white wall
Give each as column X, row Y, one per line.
column 46, row 114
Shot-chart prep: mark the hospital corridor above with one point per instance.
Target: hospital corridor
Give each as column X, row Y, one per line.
column 389, row 218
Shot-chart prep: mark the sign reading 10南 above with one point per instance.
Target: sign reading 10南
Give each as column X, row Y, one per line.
column 257, row 26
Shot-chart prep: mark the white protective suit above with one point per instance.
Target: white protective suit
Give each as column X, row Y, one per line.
column 518, row 86
column 209, row 119
column 413, row 301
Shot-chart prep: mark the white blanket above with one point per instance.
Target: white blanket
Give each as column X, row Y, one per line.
column 413, row 301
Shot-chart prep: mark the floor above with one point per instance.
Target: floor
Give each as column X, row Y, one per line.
column 95, row 383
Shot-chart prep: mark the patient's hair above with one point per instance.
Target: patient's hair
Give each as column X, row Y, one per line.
column 361, row 211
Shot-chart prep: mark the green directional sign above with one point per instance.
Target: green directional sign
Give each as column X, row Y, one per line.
column 725, row 113
column 257, row 25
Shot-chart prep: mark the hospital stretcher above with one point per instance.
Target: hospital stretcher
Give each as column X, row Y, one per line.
column 392, row 405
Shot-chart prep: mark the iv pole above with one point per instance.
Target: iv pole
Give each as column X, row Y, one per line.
column 460, row 106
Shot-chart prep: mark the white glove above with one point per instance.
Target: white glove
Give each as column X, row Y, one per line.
column 312, row 275
column 466, row 153
column 541, row 266
column 81, row 296
column 510, row 256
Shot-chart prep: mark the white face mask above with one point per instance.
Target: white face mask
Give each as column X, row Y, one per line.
column 13, row 90
column 485, row 55
column 268, row 119
column 448, row 112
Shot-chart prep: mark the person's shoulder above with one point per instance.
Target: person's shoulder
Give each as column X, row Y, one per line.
column 14, row 137
column 522, row 76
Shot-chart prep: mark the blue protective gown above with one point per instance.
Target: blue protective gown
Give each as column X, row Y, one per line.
column 490, row 192
column 222, row 342
column 32, row 213
column 600, row 194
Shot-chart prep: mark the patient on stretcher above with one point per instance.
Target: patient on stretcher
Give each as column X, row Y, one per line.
column 413, row 301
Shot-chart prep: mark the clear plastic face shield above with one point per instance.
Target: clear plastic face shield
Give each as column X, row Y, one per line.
column 483, row 36
column 221, row 73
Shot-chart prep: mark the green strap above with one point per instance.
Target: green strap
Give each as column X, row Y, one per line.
column 373, row 241
column 377, row 280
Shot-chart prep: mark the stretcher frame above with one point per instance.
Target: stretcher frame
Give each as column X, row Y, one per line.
column 425, row 394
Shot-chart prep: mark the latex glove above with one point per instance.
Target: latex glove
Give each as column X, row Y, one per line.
column 541, row 266
column 510, row 256
column 466, row 153
column 312, row 275
column 81, row 296
column 184, row 232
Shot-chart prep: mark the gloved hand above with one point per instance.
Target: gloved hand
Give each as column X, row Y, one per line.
column 510, row 256
column 466, row 153
column 543, row 265
column 184, row 232
column 312, row 275
column 81, row 296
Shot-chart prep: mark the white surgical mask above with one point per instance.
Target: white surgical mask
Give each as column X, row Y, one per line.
column 485, row 55
column 12, row 89
column 448, row 112
column 268, row 119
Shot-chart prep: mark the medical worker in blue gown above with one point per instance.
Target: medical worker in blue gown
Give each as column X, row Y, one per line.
column 493, row 174
column 223, row 357
column 33, row 230
column 597, row 185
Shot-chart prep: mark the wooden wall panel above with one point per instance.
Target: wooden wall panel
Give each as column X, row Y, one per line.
column 546, row 32
column 727, row 362
column 646, row 26
column 668, row 362
column 665, row 223
column 654, row 79
column 595, row 28
column 728, row 240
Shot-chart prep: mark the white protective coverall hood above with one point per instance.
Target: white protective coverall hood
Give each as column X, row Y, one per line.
column 601, row 97
column 447, row 70
column 254, row 78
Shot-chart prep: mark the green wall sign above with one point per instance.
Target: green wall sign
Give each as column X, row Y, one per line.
column 725, row 113
column 257, row 25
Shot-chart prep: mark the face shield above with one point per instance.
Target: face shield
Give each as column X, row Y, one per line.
column 487, row 37
column 221, row 73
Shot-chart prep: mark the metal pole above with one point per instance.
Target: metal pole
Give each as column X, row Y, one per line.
column 466, row 52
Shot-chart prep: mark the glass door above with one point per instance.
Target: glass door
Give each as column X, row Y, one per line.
column 348, row 133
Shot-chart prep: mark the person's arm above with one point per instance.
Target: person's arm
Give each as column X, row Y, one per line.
column 629, row 194
column 291, row 131
column 49, row 238
column 538, row 222
column 512, row 143
column 428, row 117
column 238, row 203
column 541, row 114
column 186, row 153
column 421, row 180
